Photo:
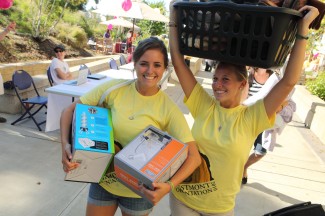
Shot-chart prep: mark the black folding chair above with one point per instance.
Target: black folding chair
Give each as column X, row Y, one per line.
column 122, row 60
column 21, row 81
column 83, row 66
column 49, row 76
column 112, row 64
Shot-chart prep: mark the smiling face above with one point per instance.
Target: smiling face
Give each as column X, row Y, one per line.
column 227, row 86
column 149, row 68
column 60, row 54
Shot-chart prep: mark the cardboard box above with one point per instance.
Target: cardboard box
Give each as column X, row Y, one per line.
column 93, row 143
column 153, row 156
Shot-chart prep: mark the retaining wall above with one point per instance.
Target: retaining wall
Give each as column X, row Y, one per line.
column 311, row 110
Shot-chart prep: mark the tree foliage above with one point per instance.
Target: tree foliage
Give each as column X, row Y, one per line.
column 317, row 87
column 46, row 14
column 153, row 28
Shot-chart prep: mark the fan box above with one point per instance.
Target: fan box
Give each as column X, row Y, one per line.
column 153, row 156
column 92, row 143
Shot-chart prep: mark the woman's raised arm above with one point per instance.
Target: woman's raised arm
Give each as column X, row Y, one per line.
column 293, row 70
column 184, row 74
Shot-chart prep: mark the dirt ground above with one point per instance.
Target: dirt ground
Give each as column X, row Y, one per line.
column 19, row 48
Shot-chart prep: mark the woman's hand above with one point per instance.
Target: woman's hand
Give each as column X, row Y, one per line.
column 66, row 159
column 161, row 189
column 172, row 11
column 310, row 14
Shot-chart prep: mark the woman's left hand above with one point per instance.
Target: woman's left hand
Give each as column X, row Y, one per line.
column 161, row 189
column 310, row 14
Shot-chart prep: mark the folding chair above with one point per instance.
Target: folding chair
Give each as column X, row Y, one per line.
column 49, row 76
column 122, row 60
column 112, row 64
column 123, row 47
column 83, row 66
column 21, row 81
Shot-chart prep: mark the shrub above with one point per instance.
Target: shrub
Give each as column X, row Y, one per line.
column 317, row 86
column 74, row 36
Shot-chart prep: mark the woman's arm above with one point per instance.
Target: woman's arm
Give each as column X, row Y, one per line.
column 192, row 161
column 184, row 74
column 65, row 124
column 293, row 70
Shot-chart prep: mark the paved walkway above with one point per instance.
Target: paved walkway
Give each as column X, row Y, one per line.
column 31, row 176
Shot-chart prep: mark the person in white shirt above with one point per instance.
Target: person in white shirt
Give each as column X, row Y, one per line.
column 59, row 68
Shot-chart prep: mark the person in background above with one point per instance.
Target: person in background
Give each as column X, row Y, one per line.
column 10, row 27
column 262, row 80
column 108, row 42
column 130, row 38
column 133, row 108
column 208, row 65
column 107, row 34
column 223, row 128
column 58, row 67
column 92, row 43
column 118, row 46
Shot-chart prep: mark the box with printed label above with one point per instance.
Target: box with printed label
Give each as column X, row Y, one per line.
column 93, row 143
column 153, row 156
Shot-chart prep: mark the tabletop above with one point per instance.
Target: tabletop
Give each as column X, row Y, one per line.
column 77, row 91
column 60, row 96
column 129, row 66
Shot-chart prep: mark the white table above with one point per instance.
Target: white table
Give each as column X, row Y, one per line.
column 129, row 66
column 60, row 96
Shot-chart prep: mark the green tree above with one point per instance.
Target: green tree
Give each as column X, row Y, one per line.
column 46, row 14
column 150, row 28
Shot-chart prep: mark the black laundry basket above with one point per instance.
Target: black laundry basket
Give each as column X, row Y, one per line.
column 259, row 36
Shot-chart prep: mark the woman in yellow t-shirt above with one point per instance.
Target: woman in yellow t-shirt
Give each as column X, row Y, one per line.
column 223, row 128
column 133, row 108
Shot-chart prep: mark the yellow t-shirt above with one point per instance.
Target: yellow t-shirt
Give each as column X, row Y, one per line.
column 157, row 110
column 212, row 188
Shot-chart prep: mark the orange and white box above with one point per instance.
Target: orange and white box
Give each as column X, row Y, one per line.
column 153, row 156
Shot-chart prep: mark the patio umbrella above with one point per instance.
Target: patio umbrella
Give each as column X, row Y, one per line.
column 139, row 10
column 119, row 22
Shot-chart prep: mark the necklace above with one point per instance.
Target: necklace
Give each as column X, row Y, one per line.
column 220, row 122
column 131, row 117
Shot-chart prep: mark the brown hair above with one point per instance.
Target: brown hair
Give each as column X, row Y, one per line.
column 268, row 71
column 149, row 44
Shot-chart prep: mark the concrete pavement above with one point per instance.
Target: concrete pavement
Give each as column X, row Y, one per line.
column 31, row 176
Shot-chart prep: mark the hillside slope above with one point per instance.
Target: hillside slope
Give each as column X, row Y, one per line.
column 21, row 48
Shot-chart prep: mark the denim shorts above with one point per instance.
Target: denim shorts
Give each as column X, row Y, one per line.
column 258, row 148
column 133, row 206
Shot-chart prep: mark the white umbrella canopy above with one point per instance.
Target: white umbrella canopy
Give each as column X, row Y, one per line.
column 139, row 10
column 119, row 22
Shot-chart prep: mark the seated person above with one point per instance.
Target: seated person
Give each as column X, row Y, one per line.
column 59, row 68
column 118, row 46
column 91, row 43
column 131, row 37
